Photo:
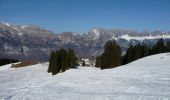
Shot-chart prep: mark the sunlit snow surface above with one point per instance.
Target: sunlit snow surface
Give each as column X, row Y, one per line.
column 144, row 79
column 141, row 38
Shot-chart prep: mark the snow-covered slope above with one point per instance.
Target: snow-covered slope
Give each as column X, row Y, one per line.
column 144, row 79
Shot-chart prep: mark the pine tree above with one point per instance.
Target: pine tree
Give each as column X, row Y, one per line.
column 168, row 46
column 135, row 52
column 51, row 62
column 63, row 59
column 129, row 54
column 98, row 61
column 83, row 64
column 138, row 51
column 159, row 47
column 145, row 51
column 124, row 59
column 111, row 56
column 4, row 61
column 72, row 59
column 54, row 67
column 57, row 67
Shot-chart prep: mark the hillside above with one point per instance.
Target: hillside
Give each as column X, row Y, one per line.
column 145, row 79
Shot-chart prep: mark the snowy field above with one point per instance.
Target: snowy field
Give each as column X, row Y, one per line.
column 144, row 79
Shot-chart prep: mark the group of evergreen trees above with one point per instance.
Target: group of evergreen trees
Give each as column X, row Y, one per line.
column 135, row 52
column 161, row 47
column 139, row 51
column 111, row 57
column 62, row 60
column 4, row 61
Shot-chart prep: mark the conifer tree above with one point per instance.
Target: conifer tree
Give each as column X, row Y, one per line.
column 124, row 59
column 129, row 54
column 145, row 51
column 57, row 67
column 83, row 64
column 159, row 47
column 111, row 56
column 135, row 52
column 98, row 61
column 54, row 67
column 51, row 62
column 63, row 59
column 168, row 46
column 138, row 51
column 72, row 59
column 4, row 61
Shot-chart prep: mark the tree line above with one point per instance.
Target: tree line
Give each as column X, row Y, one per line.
column 112, row 56
column 4, row 61
column 62, row 60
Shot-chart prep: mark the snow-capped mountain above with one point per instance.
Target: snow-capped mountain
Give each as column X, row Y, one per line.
column 35, row 43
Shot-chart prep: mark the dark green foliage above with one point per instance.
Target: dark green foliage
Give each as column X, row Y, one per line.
column 54, row 66
column 167, row 47
column 4, row 61
column 52, row 62
column 72, row 59
column 128, row 56
column 98, row 61
column 61, row 61
column 145, row 50
column 139, row 51
column 159, row 47
column 83, row 64
column 135, row 52
column 111, row 56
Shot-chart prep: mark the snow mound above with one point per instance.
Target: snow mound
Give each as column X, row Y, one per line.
column 144, row 79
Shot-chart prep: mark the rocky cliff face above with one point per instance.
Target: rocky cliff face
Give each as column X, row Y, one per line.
column 35, row 43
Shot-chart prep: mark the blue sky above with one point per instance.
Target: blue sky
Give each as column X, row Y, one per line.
column 82, row 15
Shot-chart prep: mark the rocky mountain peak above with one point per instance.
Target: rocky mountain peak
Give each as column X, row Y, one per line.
column 35, row 43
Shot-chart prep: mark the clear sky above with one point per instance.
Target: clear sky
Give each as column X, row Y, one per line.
column 82, row 15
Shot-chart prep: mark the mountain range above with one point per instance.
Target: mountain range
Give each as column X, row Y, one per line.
column 24, row 42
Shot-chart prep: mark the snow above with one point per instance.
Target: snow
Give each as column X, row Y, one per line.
column 7, row 24
column 144, row 79
column 5, row 67
column 23, row 26
column 126, row 37
column 141, row 38
column 20, row 33
column 96, row 34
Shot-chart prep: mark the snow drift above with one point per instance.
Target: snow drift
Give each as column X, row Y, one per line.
column 145, row 79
